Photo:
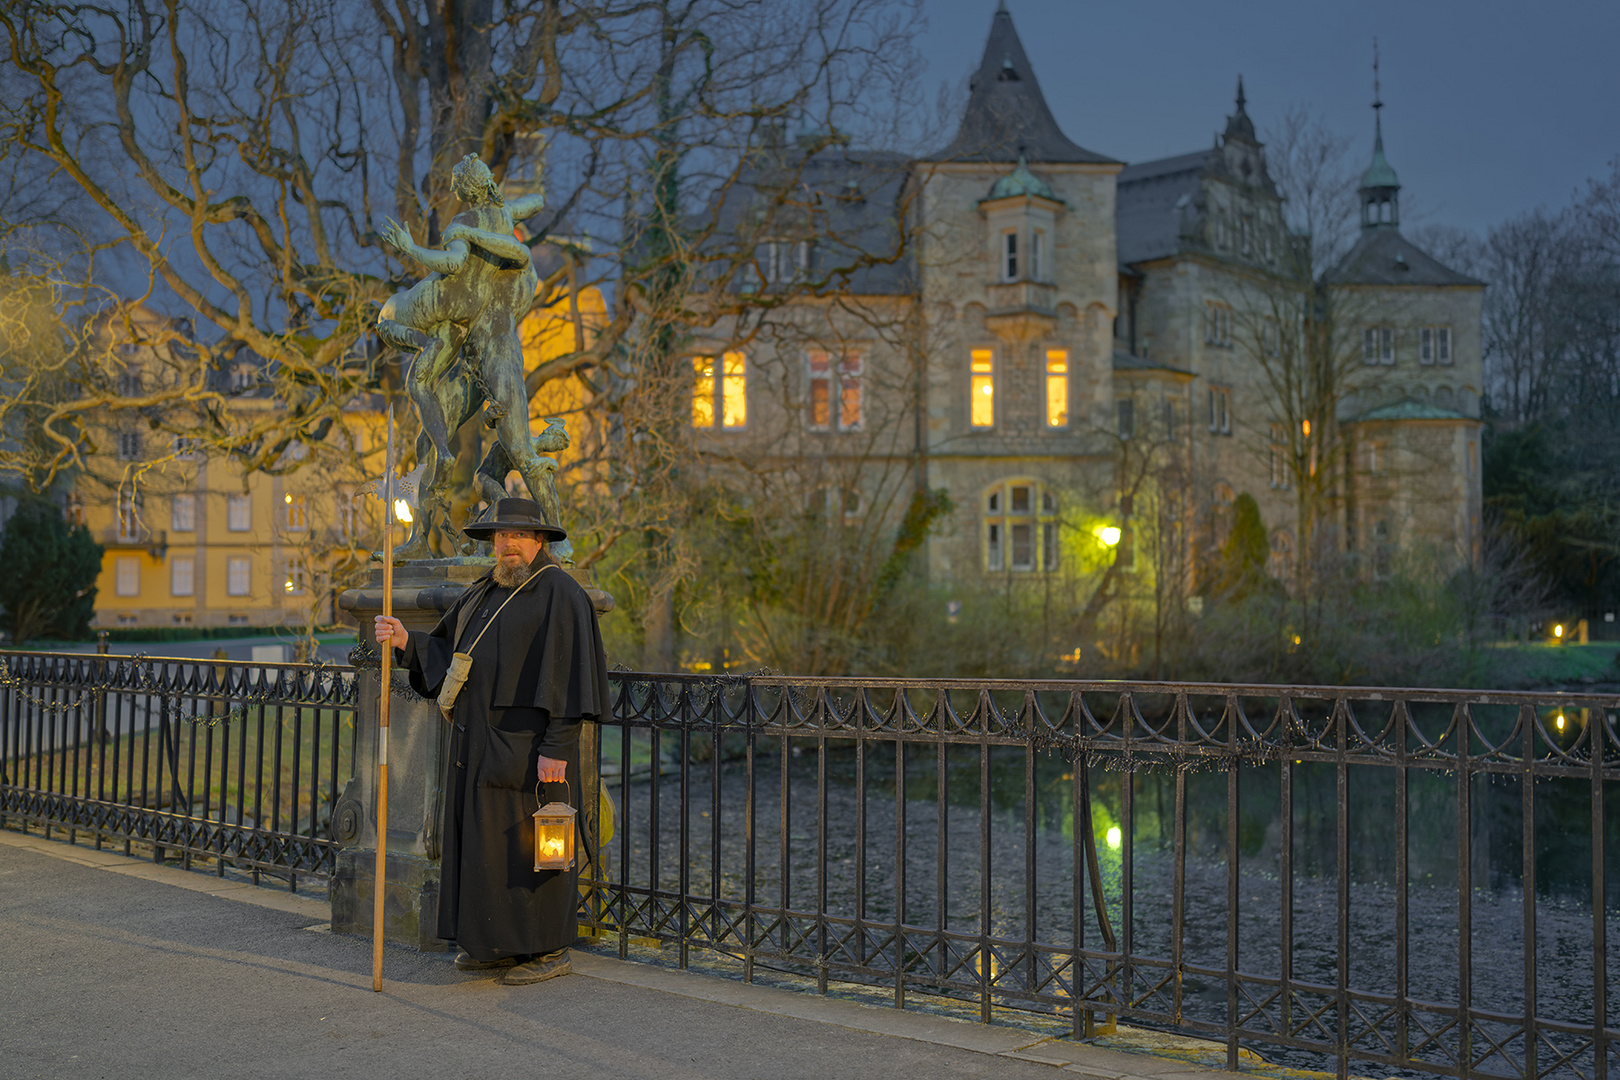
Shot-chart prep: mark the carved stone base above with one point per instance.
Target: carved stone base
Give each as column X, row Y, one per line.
column 410, row 898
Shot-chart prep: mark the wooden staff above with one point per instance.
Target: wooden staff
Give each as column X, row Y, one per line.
column 382, row 708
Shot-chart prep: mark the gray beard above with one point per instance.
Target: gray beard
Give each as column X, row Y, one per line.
column 509, row 575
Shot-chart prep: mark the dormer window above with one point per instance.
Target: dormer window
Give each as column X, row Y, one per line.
column 1009, row 255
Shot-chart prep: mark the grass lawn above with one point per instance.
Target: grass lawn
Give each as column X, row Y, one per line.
column 224, row 770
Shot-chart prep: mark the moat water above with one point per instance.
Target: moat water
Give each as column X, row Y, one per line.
column 1042, row 908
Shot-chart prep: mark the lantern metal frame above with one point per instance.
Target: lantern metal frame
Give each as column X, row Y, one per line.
column 555, row 813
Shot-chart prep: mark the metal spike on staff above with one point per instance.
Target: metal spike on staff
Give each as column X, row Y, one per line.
column 383, row 696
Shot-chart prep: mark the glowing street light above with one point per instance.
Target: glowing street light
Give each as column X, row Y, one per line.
column 1559, row 722
column 1108, row 534
column 1113, row 836
column 402, row 511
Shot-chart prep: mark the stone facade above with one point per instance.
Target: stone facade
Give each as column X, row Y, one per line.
column 1049, row 312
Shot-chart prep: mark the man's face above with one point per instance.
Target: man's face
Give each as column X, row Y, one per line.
column 517, row 547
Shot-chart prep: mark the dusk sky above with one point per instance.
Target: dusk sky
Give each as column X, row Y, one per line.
column 1492, row 107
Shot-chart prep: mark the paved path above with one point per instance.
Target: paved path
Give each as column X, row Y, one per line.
column 112, row 967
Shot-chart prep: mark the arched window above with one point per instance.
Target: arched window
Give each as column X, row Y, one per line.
column 1019, row 527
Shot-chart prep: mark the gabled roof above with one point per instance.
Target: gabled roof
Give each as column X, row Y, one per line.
column 1152, row 201
column 1385, row 257
column 848, row 200
column 1007, row 116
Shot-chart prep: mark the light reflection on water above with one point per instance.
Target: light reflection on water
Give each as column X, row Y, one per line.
column 951, row 892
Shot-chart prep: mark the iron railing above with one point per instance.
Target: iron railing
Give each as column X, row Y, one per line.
column 1409, row 878
column 1335, row 877
column 236, row 764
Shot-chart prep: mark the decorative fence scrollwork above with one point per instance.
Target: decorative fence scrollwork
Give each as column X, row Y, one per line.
column 235, row 763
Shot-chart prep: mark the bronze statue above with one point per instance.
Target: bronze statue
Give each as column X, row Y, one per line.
column 468, row 309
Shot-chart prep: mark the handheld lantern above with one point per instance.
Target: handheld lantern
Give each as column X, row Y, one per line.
column 554, row 834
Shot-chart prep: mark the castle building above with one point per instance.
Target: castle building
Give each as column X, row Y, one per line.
column 1051, row 336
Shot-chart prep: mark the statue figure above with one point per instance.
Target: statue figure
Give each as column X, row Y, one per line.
column 468, row 308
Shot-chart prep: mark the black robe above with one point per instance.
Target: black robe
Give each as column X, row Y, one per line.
column 536, row 675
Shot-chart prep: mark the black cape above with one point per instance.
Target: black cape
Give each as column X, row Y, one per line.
column 536, row 675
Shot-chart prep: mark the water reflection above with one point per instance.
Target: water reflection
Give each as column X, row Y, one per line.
column 980, row 842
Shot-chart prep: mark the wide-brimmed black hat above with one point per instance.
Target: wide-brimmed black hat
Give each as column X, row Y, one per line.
column 514, row 514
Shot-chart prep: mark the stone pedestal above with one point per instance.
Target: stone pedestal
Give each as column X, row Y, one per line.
column 417, row 743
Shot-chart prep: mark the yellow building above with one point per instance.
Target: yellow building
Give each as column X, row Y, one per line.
column 194, row 541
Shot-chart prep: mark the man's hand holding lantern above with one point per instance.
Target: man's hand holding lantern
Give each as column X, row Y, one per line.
column 550, row 770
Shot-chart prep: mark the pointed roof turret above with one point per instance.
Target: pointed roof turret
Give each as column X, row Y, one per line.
column 1380, row 188
column 1007, row 116
column 1238, row 125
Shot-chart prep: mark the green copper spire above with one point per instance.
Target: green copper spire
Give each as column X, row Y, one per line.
column 1380, row 187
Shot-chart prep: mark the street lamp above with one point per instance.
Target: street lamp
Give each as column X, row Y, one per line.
column 1108, row 534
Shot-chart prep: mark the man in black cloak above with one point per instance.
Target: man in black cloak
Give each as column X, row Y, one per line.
column 536, row 674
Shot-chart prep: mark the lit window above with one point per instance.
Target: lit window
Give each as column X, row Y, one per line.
column 1057, row 387
column 1378, row 345
column 183, row 514
column 238, row 513
column 238, row 575
column 294, row 582
column 703, row 386
column 182, row 574
column 827, row 387
column 129, row 576
column 723, row 393
column 1037, row 254
column 1127, row 418
column 983, row 388
column 129, row 518
column 297, row 508
column 734, row 391
column 1009, row 256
